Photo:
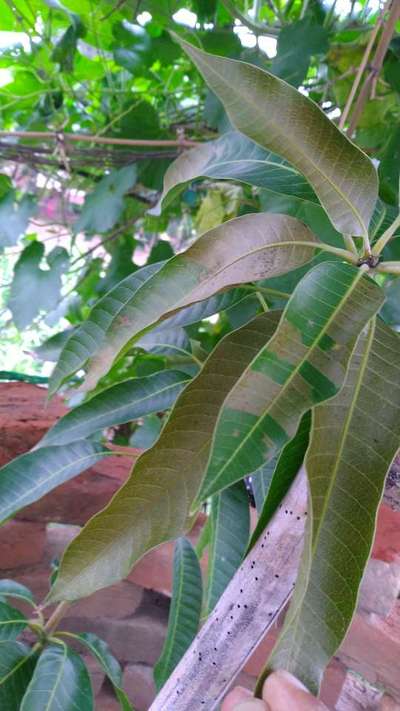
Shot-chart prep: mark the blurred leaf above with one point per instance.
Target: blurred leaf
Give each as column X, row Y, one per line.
column 12, row 622
column 248, row 248
column 17, row 664
column 389, row 169
column 230, row 526
column 304, row 363
column 147, row 433
column 14, row 217
column 34, row 289
column 297, row 43
column 185, row 610
column 60, row 681
column 120, row 403
column 104, row 205
column 28, row 477
column 390, row 311
column 167, row 475
column 10, row 588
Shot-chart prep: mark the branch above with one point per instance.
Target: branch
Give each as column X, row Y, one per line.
column 253, row 26
column 248, row 608
column 180, row 142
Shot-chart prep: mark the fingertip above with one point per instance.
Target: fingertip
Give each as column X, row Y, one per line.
column 235, row 697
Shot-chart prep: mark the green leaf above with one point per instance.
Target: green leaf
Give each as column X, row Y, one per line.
column 84, row 342
column 110, row 665
column 16, row 668
column 34, row 289
column 163, row 341
column 153, row 506
column 10, row 588
column 12, row 622
column 297, row 43
column 147, row 433
column 120, row 403
column 279, row 118
column 354, row 439
column 60, row 681
column 233, row 156
column 245, row 249
column 185, row 610
column 304, row 363
column 230, row 535
column 104, row 205
column 14, row 217
column 30, row 476
column 283, row 472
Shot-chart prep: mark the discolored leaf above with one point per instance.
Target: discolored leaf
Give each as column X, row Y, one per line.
column 279, row 118
column 303, row 364
column 185, row 610
column 354, row 439
column 120, row 403
column 60, row 681
column 244, row 249
column 28, row 477
column 153, row 506
column 230, row 521
column 233, row 156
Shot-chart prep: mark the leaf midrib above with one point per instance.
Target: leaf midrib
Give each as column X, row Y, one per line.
column 288, row 382
column 298, row 149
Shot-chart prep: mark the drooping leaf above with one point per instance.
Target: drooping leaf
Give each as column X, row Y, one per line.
column 14, row 217
column 230, row 535
column 101, row 651
column 120, row 403
column 85, row 341
column 279, row 118
column 297, row 43
column 12, row 622
column 284, row 471
column 354, row 439
column 166, row 341
column 153, row 506
column 245, row 249
column 34, row 289
column 233, row 156
column 10, row 588
column 185, row 610
column 303, row 364
column 60, row 681
column 16, row 668
column 104, row 205
column 30, row 476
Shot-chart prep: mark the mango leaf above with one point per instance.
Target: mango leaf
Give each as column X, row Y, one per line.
column 12, row 622
column 83, row 342
column 16, row 668
column 166, row 342
column 30, row 476
column 110, row 665
column 120, row 403
column 303, row 364
column 14, row 217
column 230, row 518
column 10, row 588
column 233, row 156
column 279, row 118
column 147, row 433
column 104, row 205
column 284, row 471
column 297, row 43
column 354, row 439
column 245, row 249
column 60, row 681
column 185, row 610
column 260, row 482
column 153, row 506
column 34, row 289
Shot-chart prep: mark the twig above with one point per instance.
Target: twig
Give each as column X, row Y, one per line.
column 55, row 618
column 184, row 143
column 387, row 235
column 377, row 62
column 361, row 68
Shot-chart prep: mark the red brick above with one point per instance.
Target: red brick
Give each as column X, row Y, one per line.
column 121, row 600
column 387, row 539
column 139, row 685
column 21, row 544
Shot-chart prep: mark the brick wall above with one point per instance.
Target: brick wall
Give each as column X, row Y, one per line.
column 132, row 615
